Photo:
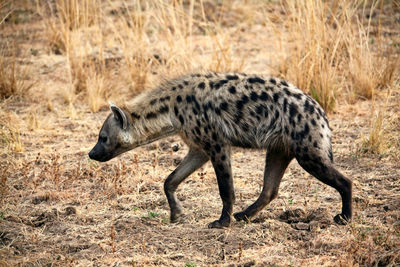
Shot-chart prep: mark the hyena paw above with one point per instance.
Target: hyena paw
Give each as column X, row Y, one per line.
column 341, row 219
column 241, row 216
column 220, row 224
column 176, row 215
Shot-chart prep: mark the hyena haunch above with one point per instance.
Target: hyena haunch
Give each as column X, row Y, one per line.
column 212, row 112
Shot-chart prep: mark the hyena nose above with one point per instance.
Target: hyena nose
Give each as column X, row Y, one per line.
column 91, row 154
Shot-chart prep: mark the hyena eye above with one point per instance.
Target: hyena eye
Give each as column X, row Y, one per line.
column 103, row 139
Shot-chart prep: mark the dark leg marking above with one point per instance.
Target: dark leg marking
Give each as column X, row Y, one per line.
column 193, row 160
column 326, row 173
column 225, row 185
column 275, row 166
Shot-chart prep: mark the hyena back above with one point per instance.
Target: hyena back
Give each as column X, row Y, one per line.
column 212, row 112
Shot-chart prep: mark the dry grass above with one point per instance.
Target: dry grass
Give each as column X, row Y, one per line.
column 57, row 207
column 13, row 76
column 327, row 47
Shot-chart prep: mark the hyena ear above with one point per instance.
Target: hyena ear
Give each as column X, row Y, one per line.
column 119, row 115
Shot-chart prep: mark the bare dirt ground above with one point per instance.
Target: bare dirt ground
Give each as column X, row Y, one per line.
column 59, row 208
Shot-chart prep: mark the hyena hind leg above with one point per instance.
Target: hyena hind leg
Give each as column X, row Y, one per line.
column 275, row 166
column 193, row 160
column 324, row 171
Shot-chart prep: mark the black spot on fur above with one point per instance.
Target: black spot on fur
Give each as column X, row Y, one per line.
column 220, row 83
column 205, row 116
column 217, row 148
column 232, row 77
column 151, row 115
column 254, row 96
column 135, row 115
column 180, row 86
column 214, row 136
column 181, row 119
column 308, row 107
column 276, row 97
column 315, row 144
column 173, row 88
column 238, row 116
column 201, row 85
column 287, row 92
column 223, row 157
column 153, row 101
column 195, row 111
column 264, row 96
column 205, row 130
column 299, row 117
column 245, row 99
column 189, row 99
column 330, row 155
column 298, row 96
column 232, row 90
column 196, row 103
column 211, row 84
column 197, row 130
column 162, row 99
column 179, row 99
column 256, row 80
column 164, row 109
column 292, row 109
column 260, row 109
column 185, row 83
column 207, row 146
column 176, row 111
column 313, row 122
column 244, row 126
column 285, row 104
column 284, row 83
column 223, row 106
column 272, row 80
column 239, row 104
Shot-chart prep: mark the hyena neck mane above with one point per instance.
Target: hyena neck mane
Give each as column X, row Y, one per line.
column 150, row 114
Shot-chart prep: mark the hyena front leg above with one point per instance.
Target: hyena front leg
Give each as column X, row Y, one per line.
column 193, row 160
column 275, row 166
column 220, row 158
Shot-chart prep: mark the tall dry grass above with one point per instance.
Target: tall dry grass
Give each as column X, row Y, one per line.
column 326, row 47
column 13, row 75
column 147, row 40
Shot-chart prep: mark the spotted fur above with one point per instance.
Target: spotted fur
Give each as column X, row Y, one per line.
column 212, row 112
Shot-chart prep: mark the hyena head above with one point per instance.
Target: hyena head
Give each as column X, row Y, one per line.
column 114, row 137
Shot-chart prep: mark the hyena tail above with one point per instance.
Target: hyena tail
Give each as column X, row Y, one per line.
column 324, row 171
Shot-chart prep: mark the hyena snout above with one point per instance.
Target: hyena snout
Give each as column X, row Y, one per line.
column 98, row 153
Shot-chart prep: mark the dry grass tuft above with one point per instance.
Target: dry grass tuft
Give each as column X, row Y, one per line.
column 383, row 136
column 10, row 134
column 13, row 76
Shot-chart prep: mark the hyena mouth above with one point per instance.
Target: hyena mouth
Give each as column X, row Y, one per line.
column 102, row 158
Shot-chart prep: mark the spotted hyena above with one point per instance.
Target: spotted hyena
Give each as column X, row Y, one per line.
column 213, row 112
